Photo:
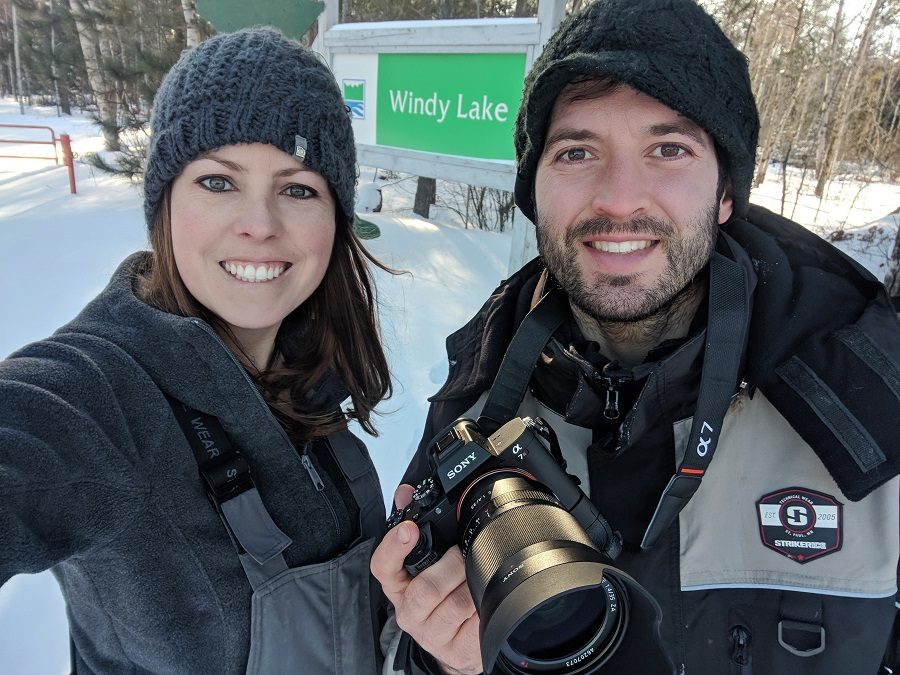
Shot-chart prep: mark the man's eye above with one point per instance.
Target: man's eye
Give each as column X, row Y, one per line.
column 299, row 191
column 670, row 151
column 216, row 184
column 574, row 155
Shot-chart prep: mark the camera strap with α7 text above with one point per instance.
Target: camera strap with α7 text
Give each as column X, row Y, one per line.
column 726, row 337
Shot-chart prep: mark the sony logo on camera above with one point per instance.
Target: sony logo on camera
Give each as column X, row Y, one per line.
column 459, row 459
column 463, row 463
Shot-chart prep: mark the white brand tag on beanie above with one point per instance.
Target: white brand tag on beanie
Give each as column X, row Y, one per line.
column 300, row 148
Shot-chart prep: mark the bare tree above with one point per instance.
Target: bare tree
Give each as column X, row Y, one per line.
column 191, row 22
column 824, row 94
column 19, row 93
column 846, row 102
column 94, row 48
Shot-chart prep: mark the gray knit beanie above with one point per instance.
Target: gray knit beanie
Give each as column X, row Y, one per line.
column 251, row 86
column 671, row 50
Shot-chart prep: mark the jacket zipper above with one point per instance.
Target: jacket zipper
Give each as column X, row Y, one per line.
column 612, row 377
column 742, row 664
column 317, row 481
column 311, row 470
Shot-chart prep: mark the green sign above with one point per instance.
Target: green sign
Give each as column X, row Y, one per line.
column 292, row 17
column 455, row 104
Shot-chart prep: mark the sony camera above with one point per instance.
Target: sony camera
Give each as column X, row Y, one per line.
column 536, row 550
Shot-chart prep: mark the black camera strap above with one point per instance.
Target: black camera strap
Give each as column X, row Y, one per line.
column 726, row 337
column 512, row 379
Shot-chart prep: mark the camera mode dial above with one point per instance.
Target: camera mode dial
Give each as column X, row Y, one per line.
column 426, row 493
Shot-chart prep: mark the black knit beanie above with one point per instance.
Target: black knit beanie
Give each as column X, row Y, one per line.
column 671, row 50
column 251, row 86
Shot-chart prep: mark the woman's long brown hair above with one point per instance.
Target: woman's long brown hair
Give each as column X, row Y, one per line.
column 336, row 329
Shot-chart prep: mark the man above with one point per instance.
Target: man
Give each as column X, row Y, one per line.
column 695, row 326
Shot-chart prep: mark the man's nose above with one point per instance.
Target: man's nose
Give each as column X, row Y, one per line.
column 620, row 192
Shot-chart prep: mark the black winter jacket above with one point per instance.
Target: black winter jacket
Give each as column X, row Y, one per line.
column 817, row 420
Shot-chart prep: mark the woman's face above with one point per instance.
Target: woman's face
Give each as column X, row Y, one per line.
column 252, row 232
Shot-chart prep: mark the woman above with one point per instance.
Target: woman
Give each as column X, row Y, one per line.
column 177, row 455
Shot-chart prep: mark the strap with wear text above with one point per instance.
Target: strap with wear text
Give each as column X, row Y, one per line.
column 229, row 486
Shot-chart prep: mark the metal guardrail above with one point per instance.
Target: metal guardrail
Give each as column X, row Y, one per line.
column 62, row 139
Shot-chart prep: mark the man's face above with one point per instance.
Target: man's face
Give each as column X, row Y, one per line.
column 626, row 202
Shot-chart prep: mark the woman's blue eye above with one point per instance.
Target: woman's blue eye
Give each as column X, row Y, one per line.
column 216, row 183
column 299, row 191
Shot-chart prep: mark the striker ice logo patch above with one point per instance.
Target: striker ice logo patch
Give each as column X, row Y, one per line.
column 800, row 524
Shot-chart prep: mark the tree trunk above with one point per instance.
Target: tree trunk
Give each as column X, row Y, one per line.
column 189, row 8
column 832, row 75
column 19, row 91
column 426, row 189
column 847, row 100
column 54, row 68
column 90, row 40
column 64, row 103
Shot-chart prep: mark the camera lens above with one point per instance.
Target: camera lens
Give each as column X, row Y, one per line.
column 573, row 633
column 546, row 600
column 559, row 626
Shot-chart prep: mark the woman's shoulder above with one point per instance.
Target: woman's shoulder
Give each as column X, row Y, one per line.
column 74, row 394
column 68, row 363
column 71, row 470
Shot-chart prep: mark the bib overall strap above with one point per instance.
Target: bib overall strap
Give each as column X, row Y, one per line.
column 360, row 474
column 359, row 471
column 230, row 489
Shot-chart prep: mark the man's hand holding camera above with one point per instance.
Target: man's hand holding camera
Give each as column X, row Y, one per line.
column 435, row 607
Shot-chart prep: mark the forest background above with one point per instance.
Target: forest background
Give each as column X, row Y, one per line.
column 826, row 74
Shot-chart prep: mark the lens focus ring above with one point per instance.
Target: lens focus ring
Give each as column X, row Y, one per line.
column 515, row 516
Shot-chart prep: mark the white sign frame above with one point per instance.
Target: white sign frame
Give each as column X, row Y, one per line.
column 509, row 35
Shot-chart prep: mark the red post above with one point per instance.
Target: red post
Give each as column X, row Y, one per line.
column 68, row 160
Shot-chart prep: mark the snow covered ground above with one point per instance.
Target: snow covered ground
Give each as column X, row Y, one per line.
column 57, row 251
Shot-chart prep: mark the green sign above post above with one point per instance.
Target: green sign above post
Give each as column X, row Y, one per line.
column 455, row 104
column 292, row 17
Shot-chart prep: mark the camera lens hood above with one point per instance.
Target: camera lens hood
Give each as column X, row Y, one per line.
column 558, row 573
column 547, row 599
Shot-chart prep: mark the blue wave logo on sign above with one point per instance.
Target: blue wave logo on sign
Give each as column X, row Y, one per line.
column 355, row 97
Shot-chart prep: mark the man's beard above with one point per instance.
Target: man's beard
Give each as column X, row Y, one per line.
column 621, row 298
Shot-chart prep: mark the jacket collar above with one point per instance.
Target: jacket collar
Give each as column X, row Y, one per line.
column 183, row 355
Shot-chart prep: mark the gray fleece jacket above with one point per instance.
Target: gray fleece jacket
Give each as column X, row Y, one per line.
column 98, row 484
